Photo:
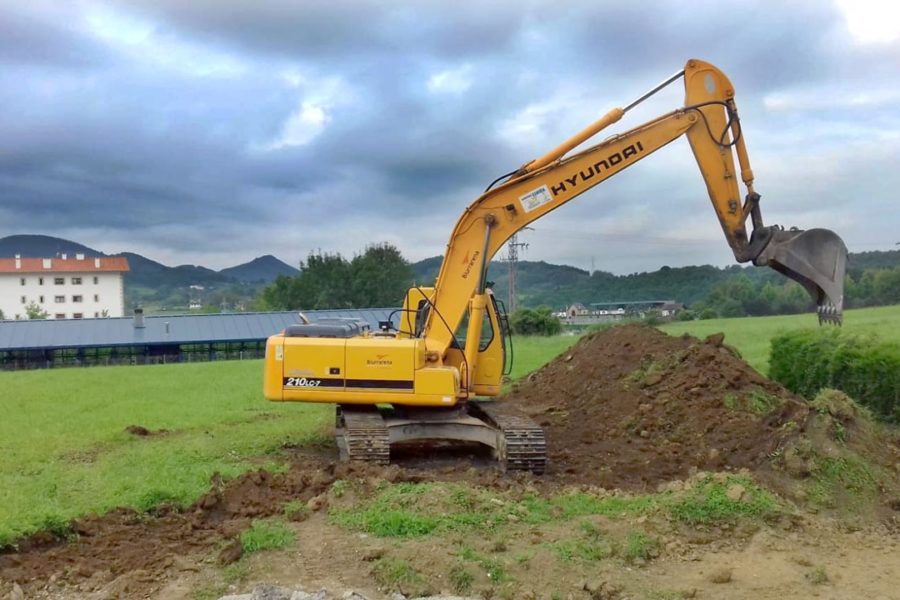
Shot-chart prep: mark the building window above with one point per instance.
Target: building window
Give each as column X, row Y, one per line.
column 21, row 281
column 96, row 315
column 96, row 280
column 77, row 316
column 76, row 281
column 59, row 316
column 40, row 281
column 59, row 280
column 59, row 300
column 42, row 299
column 23, row 300
column 77, row 298
column 96, row 297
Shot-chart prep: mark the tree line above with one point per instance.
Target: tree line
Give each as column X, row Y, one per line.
column 741, row 296
column 380, row 276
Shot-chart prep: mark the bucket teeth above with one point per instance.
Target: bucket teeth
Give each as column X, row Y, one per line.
column 829, row 313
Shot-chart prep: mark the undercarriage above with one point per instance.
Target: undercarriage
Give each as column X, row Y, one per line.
column 367, row 433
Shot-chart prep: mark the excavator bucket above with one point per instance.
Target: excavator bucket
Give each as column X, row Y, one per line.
column 817, row 259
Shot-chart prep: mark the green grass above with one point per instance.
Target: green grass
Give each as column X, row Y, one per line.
column 708, row 502
column 751, row 335
column 591, row 545
column 395, row 574
column 639, row 546
column 418, row 509
column 410, row 510
column 461, row 579
column 270, row 534
column 531, row 352
column 64, row 452
column 846, row 480
column 493, row 567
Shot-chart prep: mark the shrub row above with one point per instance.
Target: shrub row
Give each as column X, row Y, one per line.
column 863, row 367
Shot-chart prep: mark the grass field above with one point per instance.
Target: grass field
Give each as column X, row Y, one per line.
column 751, row 335
column 64, row 451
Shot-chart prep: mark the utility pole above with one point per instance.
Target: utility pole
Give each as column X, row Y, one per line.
column 512, row 259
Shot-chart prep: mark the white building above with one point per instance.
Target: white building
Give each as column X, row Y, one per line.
column 64, row 287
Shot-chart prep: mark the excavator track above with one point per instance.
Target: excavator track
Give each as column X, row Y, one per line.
column 362, row 434
column 523, row 446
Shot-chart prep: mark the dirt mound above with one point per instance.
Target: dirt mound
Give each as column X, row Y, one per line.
column 632, row 407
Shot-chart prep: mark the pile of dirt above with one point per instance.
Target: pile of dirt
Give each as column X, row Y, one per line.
column 631, row 407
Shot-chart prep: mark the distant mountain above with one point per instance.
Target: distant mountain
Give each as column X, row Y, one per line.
column 42, row 246
column 263, row 269
column 539, row 283
column 149, row 273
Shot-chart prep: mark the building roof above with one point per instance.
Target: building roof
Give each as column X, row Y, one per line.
column 117, row 264
column 165, row 330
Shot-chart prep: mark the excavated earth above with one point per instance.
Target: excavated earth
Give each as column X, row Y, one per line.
column 627, row 408
column 631, row 407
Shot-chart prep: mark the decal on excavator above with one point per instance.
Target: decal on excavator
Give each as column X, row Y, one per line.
column 601, row 165
column 535, row 198
column 471, row 264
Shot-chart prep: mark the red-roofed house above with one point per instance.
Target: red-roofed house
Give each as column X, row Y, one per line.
column 65, row 287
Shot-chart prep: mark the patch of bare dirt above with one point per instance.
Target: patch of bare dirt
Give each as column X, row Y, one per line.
column 141, row 431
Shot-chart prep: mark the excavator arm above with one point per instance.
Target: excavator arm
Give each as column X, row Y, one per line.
column 816, row 258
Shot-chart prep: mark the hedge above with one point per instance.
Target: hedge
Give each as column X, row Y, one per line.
column 863, row 367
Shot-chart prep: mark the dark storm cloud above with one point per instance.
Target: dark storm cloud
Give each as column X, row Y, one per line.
column 351, row 31
column 190, row 125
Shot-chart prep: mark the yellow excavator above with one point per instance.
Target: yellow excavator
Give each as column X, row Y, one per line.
column 420, row 379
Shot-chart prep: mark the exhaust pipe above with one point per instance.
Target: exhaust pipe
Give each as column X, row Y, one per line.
column 815, row 258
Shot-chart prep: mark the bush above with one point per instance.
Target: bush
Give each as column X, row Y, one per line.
column 863, row 367
column 708, row 313
column 539, row 321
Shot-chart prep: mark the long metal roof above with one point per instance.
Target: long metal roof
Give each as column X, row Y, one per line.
column 163, row 330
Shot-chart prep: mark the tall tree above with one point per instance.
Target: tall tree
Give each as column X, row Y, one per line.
column 377, row 277
column 380, row 277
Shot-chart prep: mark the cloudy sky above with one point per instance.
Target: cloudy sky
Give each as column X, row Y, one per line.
column 213, row 131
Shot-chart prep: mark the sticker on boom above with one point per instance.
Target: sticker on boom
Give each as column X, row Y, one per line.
column 535, row 198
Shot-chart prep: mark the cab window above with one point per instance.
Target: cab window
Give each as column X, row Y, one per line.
column 487, row 332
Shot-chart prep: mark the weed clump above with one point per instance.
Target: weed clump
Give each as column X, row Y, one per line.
column 396, row 574
column 266, row 535
column 714, row 500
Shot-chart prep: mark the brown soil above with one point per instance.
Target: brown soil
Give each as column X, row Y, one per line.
column 122, row 541
column 628, row 407
column 141, row 431
column 632, row 407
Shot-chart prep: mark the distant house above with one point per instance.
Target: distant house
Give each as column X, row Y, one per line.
column 65, row 287
column 670, row 309
column 577, row 310
column 600, row 312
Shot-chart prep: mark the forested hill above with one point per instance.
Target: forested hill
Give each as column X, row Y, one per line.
column 541, row 283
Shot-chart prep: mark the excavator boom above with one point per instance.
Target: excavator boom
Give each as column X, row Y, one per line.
column 709, row 119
